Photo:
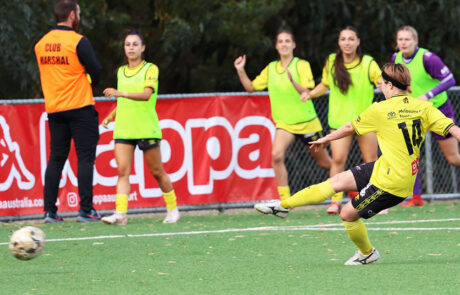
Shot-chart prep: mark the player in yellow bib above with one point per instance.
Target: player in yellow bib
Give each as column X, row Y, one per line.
column 350, row 76
column 137, row 125
column 401, row 123
column 285, row 79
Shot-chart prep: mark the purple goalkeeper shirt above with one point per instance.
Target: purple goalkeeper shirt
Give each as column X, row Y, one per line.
column 435, row 68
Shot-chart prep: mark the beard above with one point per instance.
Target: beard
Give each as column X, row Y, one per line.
column 75, row 23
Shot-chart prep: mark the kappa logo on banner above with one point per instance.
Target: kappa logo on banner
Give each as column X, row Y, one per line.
column 205, row 150
column 11, row 164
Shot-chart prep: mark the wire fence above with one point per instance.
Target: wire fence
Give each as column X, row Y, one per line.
column 439, row 179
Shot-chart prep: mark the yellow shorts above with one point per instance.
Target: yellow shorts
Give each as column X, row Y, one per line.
column 312, row 126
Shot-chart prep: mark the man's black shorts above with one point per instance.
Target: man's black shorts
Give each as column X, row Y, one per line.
column 370, row 200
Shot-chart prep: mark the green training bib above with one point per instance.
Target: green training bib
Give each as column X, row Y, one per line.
column 136, row 119
column 344, row 107
column 285, row 101
column 422, row 82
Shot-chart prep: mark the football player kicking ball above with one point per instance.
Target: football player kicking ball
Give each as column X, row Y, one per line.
column 401, row 123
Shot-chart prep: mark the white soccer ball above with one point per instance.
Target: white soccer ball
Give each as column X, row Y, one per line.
column 27, row 243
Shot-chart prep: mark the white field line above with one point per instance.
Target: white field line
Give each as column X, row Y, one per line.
column 315, row 227
column 392, row 222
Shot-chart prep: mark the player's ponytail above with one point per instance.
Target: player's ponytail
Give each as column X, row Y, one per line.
column 340, row 73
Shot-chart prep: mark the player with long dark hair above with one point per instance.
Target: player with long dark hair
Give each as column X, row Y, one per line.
column 350, row 75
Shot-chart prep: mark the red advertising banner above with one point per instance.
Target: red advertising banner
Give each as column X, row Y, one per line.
column 215, row 150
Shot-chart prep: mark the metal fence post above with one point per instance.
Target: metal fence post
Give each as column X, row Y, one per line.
column 429, row 165
column 453, row 174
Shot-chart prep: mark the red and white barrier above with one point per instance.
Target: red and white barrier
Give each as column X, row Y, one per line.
column 215, row 149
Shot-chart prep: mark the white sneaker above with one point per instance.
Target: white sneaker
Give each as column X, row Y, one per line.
column 172, row 216
column 273, row 207
column 115, row 218
column 360, row 259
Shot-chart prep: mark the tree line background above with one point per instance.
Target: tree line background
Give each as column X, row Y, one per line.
column 194, row 42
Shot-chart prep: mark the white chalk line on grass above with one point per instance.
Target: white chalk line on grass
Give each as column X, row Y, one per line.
column 315, row 227
column 392, row 222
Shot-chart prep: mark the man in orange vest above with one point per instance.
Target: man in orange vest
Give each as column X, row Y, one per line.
column 67, row 64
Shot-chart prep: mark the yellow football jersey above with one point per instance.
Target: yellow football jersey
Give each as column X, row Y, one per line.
column 303, row 68
column 401, row 124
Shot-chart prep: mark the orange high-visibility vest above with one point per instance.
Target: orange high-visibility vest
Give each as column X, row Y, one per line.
column 64, row 82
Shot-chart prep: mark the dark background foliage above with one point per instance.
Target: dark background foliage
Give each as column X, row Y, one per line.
column 194, row 42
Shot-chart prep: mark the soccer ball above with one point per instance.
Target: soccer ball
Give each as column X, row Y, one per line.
column 27, row 243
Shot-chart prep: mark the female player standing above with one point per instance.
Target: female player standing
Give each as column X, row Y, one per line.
column 286, row 78
column 430, row 80
column 350, row 76
column 137, row 125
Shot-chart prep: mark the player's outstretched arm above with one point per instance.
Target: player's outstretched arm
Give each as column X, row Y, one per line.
column 343, row 131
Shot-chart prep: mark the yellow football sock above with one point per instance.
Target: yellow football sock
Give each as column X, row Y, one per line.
column 358, row 234
column 121, row 203
column 313, row 194
column 170, row 200
column 337, row 197
column 284, row 192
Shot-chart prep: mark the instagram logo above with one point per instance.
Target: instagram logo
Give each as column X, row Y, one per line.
column 72, row 199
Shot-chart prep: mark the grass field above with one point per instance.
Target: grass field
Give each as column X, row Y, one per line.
column 242, row 253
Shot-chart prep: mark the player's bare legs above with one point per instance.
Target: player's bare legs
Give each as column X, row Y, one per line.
column 322, row 158
column 339, row 149
column 124, row 154
column 155, row 164
column 282, row 141
column 368, row 146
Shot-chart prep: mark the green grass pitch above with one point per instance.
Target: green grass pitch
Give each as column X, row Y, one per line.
column 241, row 253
